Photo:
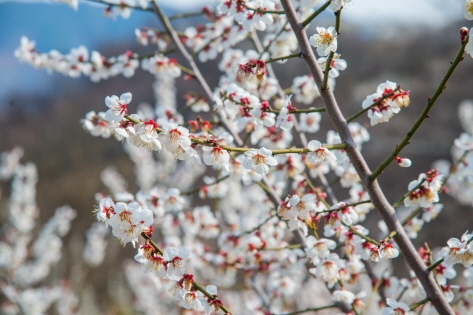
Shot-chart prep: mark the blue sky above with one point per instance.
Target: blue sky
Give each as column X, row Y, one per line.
column 57, row 26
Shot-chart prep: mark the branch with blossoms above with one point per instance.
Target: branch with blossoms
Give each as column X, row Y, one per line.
column 267, row 218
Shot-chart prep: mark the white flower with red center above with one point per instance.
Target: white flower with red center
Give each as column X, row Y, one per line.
column 304, row 89
column 396, row 308
column 213, row 190
column 97, row 125
column 206, row 222
column 374, row 254
column 381, row 112
column 387, row 107
column 162, row 65
column 121, row 8
column 318, row 153
column 146, row 136
column 261, row 117
column 413, row 226
column 458, row 251
column 348, row 214
column 427, row 194
column 191, row 301
column 328, row 269
column 468, row 9
column 78, row 62
column 210, row 305
column 173, row 201
column 126, row 64
column 148, row 256
column 175, row 258
column 337, row 5
column 318, row 248
column 447, row 292
column 129, row 221
column 117, row 107
column 26, row 51
column 325, row 41
column 259, row 160
column 302, row 207
column 444, row 272
column 465, row 142
column 105, row 210
column 176, row 139
column 399, row 97
column 336, row 65
column 216, row 156
column 125, row 129
column 310, row 122
column 359, row 134
column 343, row 296
column 284, row 120
column 432, row 212
column 253, row 19
column 388, row 251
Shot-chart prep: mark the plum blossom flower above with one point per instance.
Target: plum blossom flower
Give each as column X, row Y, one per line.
column 387, row 107
column 310, row 122
column 105, row 210
column 251, row 19
column 259, row 160
column 146, row 136
column 148, row 256
column 336, row 65
column 396, row 308
column 284, row 120
column 318, row 153
column 216, row 156
column 468, row 9
column 458, row 251
column 319, row 248
column 261, row 117
column 175, row 257
column 344, row 296
column 427, row 193
column 388, row 251
column 176, row 140
column 325, row 41
column 336, row 5
column 117, row 107
column 129, row 221
column 302, row 207
column 465, row 142
column 162, row 65
column 469, row 45
column 304, row 89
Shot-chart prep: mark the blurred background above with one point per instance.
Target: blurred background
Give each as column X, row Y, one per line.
column 408, row 42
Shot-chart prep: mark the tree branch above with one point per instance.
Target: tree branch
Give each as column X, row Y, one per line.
column 372, row 187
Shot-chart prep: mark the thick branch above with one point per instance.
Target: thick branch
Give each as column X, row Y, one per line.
column 372, row 187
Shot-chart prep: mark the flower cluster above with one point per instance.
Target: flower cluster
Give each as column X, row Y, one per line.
column 424, row 190
column 387, row 101
column 128, row 221
column 262, row 212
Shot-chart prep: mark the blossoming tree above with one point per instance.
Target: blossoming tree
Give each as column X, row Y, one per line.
column 265, row 219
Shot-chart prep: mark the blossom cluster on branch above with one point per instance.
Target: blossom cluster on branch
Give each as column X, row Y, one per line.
column 259, row 217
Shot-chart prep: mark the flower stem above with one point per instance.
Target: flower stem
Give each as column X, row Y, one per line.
column 425, row 113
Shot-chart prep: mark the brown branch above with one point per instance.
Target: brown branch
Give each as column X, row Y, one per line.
column 372, row 187
column 197, row 74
